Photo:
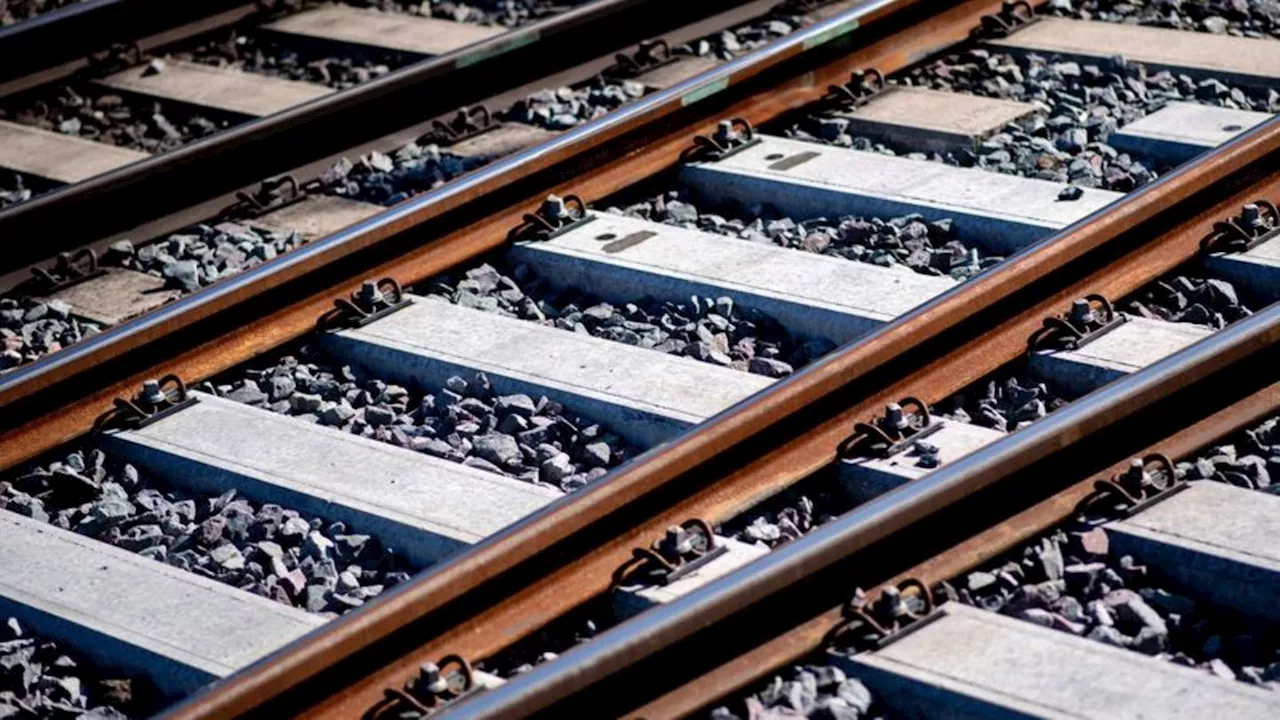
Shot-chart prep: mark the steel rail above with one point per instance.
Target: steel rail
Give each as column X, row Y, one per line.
column 78, row 213
column 907, row 506
column 982, row 547
column 163, row 37
column 1176, row 201
column 57, row 367
column 175, row 222
column 74, row 31
column 595, row 143
column 435, row 260
column 737, row 482
column 307, row 660
column 209, row 358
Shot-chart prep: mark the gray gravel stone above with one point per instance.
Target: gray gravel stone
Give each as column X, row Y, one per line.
column 507, row 13
column 263, row 548
column 1248, row 18
column 520, row 404
column 926, row 247
column 1069, row 581
column 1201, row 301
column 375, row 416
column 1080, row 106
column 40, row 678
column 817, row 690
column 712, row 330
column 567, row 107
column 503, row 451
column 1005, row 403
column 1250, row 460
column 246, row 49
column 227, row 557
column 30, row 329
column 556, row 468
column 388, row 179
column 768, row 367
column 597, row 454
column 98, row 114
column 203, row 254
column 463, row 421
column 737, row 41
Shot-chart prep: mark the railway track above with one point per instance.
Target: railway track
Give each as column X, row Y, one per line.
column 230, row 233
column 190, row 110
column 628, row 421
column 132, row 105
column 1151, row 540
column 36, row 36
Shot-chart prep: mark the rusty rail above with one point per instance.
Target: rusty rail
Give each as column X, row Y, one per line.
column 484, row 202
column 205, row 334
column 73, row 31
column 433, row 606
column 741, row 477
column 978, row 549
column 1146, row 235
column 793, row 428
column 1114, row 411
column 118, row 199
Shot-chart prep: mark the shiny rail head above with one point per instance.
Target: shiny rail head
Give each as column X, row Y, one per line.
column 632, row 641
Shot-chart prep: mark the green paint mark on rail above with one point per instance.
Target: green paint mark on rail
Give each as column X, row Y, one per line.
column 704, row 92
column 832, row 33
column 502, row 47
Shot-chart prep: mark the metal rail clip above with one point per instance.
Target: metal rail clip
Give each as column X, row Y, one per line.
column 69, row 269
column 869, row 625
column 271, row 195
column 428, row 693
column 1013, row 16
column 157, row 399
column 554, row 217
column 1089, row 318
column 372, row 301
column 684, row 549
column 117, row 56
column 862, row 86
column 1258, row 222
column 649, row 55
column 890, row 433
column 730, row 137
column 1135, row 489
column 468, row 123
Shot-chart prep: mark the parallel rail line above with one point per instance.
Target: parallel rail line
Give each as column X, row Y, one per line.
column 73, row 31
column 610, row 423
column 248, row 151
column 871, row 531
